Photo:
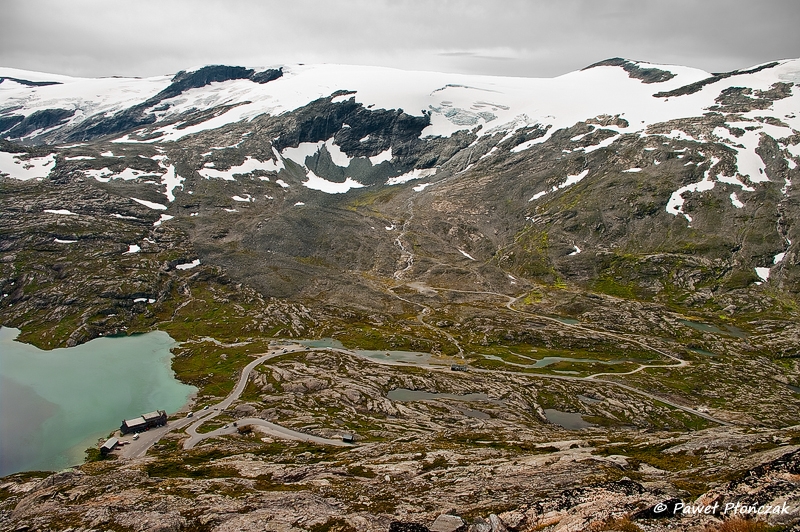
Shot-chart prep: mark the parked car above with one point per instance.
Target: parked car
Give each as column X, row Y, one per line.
column 136, row 436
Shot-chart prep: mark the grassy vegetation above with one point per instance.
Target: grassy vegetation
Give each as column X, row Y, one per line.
column 745, row 525
column 93, row 454
column 653, row 455
column 212, row 425
column 333, row 524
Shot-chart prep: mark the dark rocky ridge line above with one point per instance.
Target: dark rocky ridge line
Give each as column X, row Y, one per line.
column 646, row 74
column 696, row 86
column 30, row 83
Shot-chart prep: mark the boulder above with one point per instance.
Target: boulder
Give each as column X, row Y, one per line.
column 447, row 523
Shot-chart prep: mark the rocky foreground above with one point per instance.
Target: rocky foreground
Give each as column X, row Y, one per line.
column 256, row 483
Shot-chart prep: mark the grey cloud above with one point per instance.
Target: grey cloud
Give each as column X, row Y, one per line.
column 514, row 37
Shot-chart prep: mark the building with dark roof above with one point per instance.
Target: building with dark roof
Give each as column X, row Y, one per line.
column 144, row 422
column 108, row 446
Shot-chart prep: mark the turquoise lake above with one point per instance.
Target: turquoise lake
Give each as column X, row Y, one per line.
column 55, row 404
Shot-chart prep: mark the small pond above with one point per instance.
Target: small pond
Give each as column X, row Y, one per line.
column 568, row 420
column 404, row 394
column 729, row 330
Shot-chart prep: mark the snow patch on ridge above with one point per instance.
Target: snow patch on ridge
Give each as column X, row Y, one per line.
column 383, row 156
column 162, row 219
column 150, row 204
column 314, row 182
column 249, row 165
column 36, row 167
column 171, row 181
column 416, row 173
column 188, row 265
column 470, row 257
column 571, row 180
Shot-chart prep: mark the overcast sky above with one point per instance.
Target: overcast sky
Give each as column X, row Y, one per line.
column 539, row 38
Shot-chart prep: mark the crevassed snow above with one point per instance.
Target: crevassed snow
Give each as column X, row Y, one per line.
column 61, row 211
column 133, row 248
column 763, row 273
column 162, row 219
column 383, row 156
column 455, row 101
column 188, row 265
column 735, row 201
column 35, row 167
column 416, row 173
column 314, row 182
column 150, row 204
column 59, row 241
column 85, row 95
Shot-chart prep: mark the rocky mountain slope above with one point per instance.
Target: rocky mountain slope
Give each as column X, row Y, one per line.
column 630, row 226
column 665, row 182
